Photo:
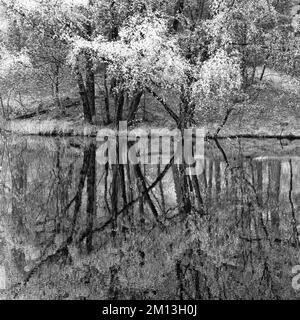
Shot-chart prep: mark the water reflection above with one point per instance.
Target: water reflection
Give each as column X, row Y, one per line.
column 71, row 228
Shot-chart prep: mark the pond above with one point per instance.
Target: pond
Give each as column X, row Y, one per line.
column 73, row 228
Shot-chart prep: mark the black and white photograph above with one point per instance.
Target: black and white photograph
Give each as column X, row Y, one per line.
column 149, row 151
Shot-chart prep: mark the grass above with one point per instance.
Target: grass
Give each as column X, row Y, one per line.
column 50, row 128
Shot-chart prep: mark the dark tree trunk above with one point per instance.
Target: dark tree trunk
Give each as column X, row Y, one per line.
column 106, row 99
column 218, row 179
column 135, row 102
column 114, row 198
column 181, row 189
column 83, row 95
column 18, row 169
column 89, row 69
column 179, row 6
column 161, row 188
column 78, row 198
column 56, row 89
column 123, row 185
column 90, row 86
column 91, row 196
column 259, row 188
column 179, row 277
column 210, row 180
column 197, row 192
column 274, row 194
column 119, row 101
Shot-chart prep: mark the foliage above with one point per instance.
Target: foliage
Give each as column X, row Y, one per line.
column 219, row 78
column 144, row 56
column 205, row 51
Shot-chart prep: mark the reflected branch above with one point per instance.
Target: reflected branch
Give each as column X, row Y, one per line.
column 130, row 204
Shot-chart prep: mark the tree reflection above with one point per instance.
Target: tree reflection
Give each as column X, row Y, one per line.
column 73, row 228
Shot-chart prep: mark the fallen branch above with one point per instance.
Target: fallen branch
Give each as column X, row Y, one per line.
column 65, row 104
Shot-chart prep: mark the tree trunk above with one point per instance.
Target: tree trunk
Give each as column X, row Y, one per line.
column 179, row 6
column 90, row 86
column 210, row 180
column 114, row 198
column 259, row 188
column 218, row 179
column 181, row 189
column 135, row 102
column 119, row 101
column 2, row 107
column 56, row 90
column 274, row 194
column 91, row 196
column 89, row 68
column 106, row 98
column 83, row 95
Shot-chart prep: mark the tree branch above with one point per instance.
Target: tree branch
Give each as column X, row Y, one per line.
column 165, row 105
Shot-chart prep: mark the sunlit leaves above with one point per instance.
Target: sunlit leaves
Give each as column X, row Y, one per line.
column 145, row 54
column 218, row 79
column 13, row 64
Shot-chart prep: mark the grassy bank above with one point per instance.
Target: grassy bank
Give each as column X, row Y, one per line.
column 62, row 128
column 50, row 128
column 272, row 110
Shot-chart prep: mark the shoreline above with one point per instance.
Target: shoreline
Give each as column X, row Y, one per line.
column 66, row 128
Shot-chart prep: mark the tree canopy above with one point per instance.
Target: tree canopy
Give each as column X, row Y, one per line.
column 204, row 52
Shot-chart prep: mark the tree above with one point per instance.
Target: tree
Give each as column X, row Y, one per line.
column 205, row 53
column 15, row 69
column 46, row 26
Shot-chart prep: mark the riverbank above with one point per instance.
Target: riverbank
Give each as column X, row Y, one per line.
column 272, row 111
column 63, row 128
column 51, row 128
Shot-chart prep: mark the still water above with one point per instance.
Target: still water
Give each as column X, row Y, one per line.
column 71, row 228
